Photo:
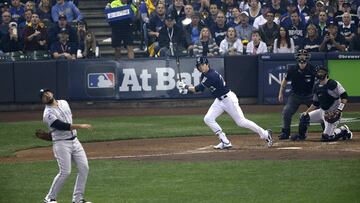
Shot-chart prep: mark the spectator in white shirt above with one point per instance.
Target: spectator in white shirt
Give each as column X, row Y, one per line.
column 284, row 43
column 231, row 45
column 261, row 19
column 256, row 46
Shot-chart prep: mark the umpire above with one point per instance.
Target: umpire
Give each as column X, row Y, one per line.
column 302, row 77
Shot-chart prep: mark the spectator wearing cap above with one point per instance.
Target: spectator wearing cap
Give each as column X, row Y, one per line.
column 3, row 7
column 12, row 41
column 177, row 10
column 254, row 10
column 236, row 18
column 347, row 29
column 206, row 46
column 345, row 8
column 332, row 40
column 35, row 35
column 261, row 19
column 44, row 12
column 6, row 19
column 55, row 30
column 297, row 30
column 244, row 30
column 17, row 11
column 66, row 8
column 269, row 31
column 172, row 38
column 231, row 45
column 192, row 30
column 63, row 49
column 218, row 31
column 355, row 41
column 256, row 45
column 122, row 30
column 285, row 20
column 312, row 41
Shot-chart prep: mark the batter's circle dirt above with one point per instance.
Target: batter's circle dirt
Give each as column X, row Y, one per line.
column 245, row 147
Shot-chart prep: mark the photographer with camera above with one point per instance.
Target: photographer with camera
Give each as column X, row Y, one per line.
column 332, row 40
column 11, row 41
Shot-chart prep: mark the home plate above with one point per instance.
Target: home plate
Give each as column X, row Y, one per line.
column 289, row 148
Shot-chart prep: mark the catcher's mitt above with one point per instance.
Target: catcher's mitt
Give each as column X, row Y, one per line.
column 41, row 134
column 332, row 116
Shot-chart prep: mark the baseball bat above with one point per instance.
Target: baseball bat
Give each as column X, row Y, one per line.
column 177, row 61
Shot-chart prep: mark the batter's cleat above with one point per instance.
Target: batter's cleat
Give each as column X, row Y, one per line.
column 269, row 139
column 223, row 145
column 49, row 200
column 82, row 201
column 348, row 134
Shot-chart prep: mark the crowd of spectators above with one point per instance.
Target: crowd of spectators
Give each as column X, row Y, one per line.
column 186, row 27
column 231, row 27
column 50, row 28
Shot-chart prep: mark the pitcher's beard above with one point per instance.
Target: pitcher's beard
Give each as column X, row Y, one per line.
column 50, row 101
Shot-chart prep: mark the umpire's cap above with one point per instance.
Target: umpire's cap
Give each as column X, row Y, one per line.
column 42, row 92
column 201, row 60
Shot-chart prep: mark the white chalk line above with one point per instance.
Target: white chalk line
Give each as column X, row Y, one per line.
column 201, row 150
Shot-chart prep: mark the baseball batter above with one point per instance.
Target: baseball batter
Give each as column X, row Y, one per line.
column 66, row 147
column 329, row 101
column 225, row 100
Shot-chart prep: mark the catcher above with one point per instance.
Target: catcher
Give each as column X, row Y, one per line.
column 329, row 101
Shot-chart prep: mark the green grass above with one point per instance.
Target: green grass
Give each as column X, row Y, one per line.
column 113, row 181
column 20, row 135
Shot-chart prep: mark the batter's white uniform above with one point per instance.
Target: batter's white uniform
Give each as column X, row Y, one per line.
column 226, row 101
column 66, row 147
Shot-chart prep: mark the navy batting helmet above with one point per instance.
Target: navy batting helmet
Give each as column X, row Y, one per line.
column 302, row 56
column 201, row 60
column 42, row 92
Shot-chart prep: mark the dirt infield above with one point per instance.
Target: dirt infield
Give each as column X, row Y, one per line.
column 248, row 147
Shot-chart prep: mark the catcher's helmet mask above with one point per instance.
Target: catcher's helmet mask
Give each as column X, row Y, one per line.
column 201, row 60
column 322, row 72
column 302, row 56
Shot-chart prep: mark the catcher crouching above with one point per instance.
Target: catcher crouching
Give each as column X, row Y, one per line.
column 329, row 101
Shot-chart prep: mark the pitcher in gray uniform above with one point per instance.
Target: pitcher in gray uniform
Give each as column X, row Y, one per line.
column 66, row 147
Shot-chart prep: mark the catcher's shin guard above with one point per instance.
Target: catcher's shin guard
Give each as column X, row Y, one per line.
column 303, row 125
column 328, row 138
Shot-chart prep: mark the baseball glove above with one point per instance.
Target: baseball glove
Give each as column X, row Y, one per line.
column 41, row 134
column 332, row 116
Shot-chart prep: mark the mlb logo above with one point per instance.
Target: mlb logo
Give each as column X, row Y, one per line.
column 101, row 80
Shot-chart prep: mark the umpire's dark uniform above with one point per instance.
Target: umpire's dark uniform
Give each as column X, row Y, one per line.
column 302, row 82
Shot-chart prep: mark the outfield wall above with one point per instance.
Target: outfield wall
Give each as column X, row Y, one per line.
column 100, row 80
